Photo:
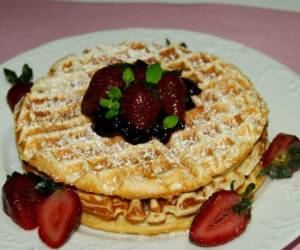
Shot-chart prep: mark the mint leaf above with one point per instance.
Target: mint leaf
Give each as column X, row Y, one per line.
column 27, row 74
column 114, row 93
column 106, row 103
column 111, row 113
column 153, row 73
column 170, row 121
column 115, row 105
column 128, row 76
column 11, row 76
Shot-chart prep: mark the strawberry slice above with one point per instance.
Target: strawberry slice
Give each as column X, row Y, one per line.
column 58, row 217
column 282, row 158
column 20, row 200
column 280, row 143
column 216, row 222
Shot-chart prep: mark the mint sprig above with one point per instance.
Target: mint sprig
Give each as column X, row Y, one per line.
column 112, row 104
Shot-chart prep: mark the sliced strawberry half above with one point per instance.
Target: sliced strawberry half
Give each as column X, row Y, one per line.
column 58, row 217
column 216, row 222
column 280, row 143
column 20, row 200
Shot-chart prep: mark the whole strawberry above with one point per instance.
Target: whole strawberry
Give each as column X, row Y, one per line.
column 104, row 79
column 20, row 200
column 21, row 85
column 173, row 93
column 139, row 106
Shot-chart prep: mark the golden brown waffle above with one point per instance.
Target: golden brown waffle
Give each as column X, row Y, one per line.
column 53, row 136
column 153, row 216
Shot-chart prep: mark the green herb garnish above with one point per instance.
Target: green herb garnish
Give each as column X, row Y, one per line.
column 112, row 104
column 111, row 113
column 114, row 93
column 106, row 103
column 154, row 73
column 12, row 77
column 170, row 121
column 128, row 76
column 245, row 204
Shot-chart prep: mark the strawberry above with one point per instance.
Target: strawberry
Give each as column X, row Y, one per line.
column 173, row 93
column 21, row 85
column 139, row 106
column 102, row 81
column 280, row 143
column 282, row 158
column 58, row 217
column 217, row 222
column 20, row 200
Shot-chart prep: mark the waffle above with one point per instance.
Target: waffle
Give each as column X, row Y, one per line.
column 155, row 216
column 224, row 137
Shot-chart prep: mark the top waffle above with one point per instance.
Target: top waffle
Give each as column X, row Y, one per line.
column 55, row 137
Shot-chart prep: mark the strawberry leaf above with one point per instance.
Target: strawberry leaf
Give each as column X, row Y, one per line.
column 27, row 73
column 11, row 76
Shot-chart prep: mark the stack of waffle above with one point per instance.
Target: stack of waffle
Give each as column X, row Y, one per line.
column 148, row 188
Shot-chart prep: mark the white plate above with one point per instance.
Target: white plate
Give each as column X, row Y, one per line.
column 276, row 211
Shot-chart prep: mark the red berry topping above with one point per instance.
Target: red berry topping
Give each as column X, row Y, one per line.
column 139, row 106
column 280, row 143
column 216, row 223
column 101, row 82
column 20, row 200
column 172, row 92
column 16, row 92
column 58, row 216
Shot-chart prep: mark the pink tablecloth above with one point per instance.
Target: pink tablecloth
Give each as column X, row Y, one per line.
column 27, row 24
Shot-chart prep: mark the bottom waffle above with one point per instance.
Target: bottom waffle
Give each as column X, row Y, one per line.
column 155, row 216
column 170, row 222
